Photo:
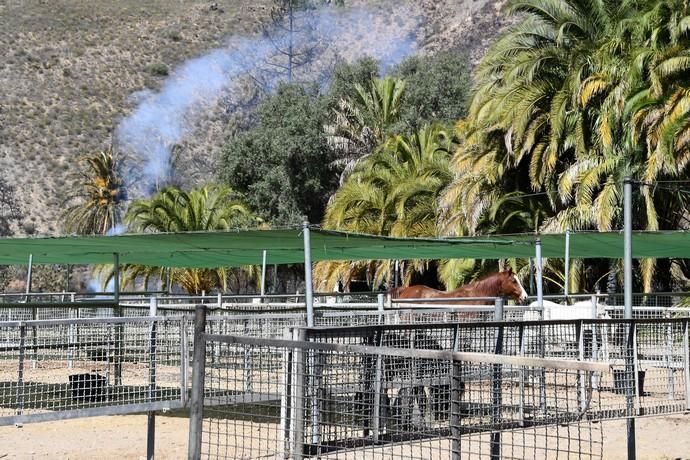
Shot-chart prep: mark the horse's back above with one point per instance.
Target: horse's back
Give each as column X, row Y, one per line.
column 418, row 291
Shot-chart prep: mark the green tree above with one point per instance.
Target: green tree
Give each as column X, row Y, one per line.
column 211, row 207
column 437, row 89
column 98, row 197
column 283, row 163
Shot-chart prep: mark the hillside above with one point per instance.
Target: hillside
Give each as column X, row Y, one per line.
column 70, row 69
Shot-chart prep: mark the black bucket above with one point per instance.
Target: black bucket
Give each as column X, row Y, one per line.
column 620, row 382
column 87, row 387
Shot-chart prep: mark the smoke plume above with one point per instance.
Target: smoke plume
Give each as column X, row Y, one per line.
column 163, row 118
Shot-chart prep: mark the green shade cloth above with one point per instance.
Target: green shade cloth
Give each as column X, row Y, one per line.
column 235, row 248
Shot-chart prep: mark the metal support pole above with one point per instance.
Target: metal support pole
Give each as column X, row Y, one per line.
column 286, row 399
column 396, row 279
column 670, row 374
column 456, row 391
column 116, row 279
column 378, row 390
column 184, row 361
column 596, row 336
column 380, row 301
column 627, row 247
column 20, row 369
column 499, row 302
column 316, row 365
column 299, row 379
column 29, row 276
column 521, row 340
column 496, row 392
column 309, row 288
column 566, row 284
column 540, row 280
column 34, row 310
column 196, row 412
column 119, row 328
column 627, row 284
column 263, row 275
column 580, row 334
column 151, row 416
column 686, row 362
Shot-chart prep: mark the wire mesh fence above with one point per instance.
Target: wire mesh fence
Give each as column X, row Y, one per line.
column 58, row 369
column 337, row 309
column 650, row 358
column 326, row 400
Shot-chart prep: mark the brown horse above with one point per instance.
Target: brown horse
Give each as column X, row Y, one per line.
column 500, row 284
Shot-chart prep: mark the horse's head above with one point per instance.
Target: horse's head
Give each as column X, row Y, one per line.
column 511, row 287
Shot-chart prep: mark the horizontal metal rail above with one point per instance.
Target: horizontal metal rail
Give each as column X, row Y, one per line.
column 469, row 357
column 122, row 409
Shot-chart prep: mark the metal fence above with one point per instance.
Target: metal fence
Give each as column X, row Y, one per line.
column 56, row 369
column 650, row 358
column 303, row 399
column 463, row 390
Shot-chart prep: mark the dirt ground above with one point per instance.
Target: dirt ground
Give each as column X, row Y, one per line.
column 124, row 437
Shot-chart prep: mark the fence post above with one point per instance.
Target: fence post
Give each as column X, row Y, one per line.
column 196, row 412
column 521, row 340
column 119, row 328
column 72, row 337
column 20, row 368
column 498, row 308
column 308, row 285
column 627, row 292
column 669, row 358
column 456, row 389
column 380, row 300
column 248, row 361
column 496, row 386
column 636, row 370
column 299, row 368
column 631, row 389
column 151, row 416
column 378, row 388
column 582, row 393
column 184, row 361
column 286, row 398
column 316, row 364
column 686, row 362
column 595, row 347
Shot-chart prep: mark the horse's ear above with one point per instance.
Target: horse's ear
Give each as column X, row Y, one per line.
column 510, row 270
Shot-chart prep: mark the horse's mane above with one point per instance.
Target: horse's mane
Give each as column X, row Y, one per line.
column 489, row 284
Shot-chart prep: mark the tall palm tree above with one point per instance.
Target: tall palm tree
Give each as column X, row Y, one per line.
column 361, row 123
column 573, row 98
column 211, row 207
column 98, row 197
column 393, row 192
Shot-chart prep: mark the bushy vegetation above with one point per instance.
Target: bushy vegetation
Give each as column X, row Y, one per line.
column 567, row 101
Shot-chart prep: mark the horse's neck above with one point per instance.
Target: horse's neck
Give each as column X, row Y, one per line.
column 487, row 287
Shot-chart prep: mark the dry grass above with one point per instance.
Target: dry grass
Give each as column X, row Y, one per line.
column 69, row 68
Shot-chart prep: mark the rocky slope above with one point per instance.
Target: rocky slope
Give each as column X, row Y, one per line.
column 69, row 70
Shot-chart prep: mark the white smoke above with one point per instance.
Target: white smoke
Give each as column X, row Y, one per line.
column 163, row 118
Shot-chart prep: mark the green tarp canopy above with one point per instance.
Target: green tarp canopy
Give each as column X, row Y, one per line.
column 235, row 248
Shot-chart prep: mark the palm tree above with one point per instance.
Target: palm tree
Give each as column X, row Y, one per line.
column 361, row 123
column 99, row 194
column 573, row 98
column 211, row 207
column 393, row 192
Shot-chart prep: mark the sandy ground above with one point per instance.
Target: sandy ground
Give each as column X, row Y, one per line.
column 124, row 437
